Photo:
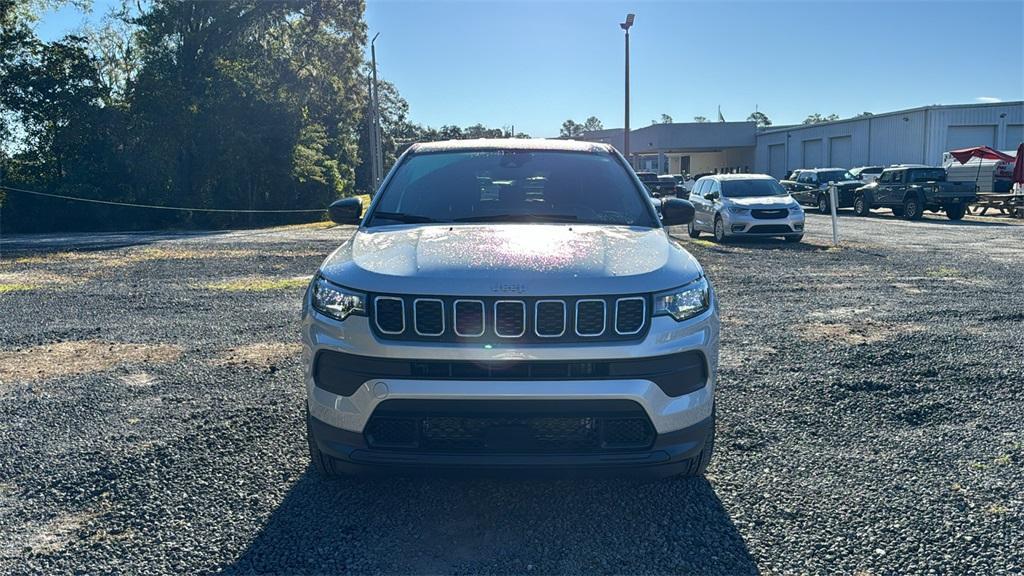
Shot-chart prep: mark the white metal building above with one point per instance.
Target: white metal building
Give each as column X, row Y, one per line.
column 915, row 136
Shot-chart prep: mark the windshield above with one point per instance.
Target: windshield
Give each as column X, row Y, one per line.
column 834, row 176
column 935, row 175
column 512, row 186
column 751, row 188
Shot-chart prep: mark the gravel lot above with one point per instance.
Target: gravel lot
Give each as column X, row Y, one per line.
column 871, row 420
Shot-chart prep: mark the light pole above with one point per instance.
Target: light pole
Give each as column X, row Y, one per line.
column 376, row 150
column 625, row 131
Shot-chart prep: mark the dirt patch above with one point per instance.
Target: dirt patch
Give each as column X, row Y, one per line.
column 263, row 355
column 79, row 357
column 865, row 332
column 258, row 284
column 56, row 534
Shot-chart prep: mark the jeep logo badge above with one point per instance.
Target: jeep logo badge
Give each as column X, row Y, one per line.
column 509, row 288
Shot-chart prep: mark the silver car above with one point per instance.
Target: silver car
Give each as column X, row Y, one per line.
column 731, row 205
column 542, row 320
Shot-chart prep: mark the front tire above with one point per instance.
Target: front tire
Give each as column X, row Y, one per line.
column 322, row 463
column 720, row 236
column 956, row 211
column 699, row 464
column 861, row 206
column 912, row 208
column 823, row 204
column 692, row 231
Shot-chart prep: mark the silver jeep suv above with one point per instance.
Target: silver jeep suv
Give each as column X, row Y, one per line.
column 511, row 304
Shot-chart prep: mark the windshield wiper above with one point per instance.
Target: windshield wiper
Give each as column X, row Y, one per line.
column 407, row 218
column 519, row 218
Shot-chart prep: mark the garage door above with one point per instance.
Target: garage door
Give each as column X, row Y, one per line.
column 968, row 136
column 1014, row 136
column 840, row 152
column 777, row 160
column 812, row 154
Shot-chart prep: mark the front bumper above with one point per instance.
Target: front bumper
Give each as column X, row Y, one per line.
column 671, row 454
column 747, row 225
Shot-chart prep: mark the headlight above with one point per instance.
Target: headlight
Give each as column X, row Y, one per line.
column 686, row 302
column 335, row 301
column 796, row 209
column 739, row 211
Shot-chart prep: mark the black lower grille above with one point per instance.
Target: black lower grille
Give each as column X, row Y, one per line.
column 770, row 229
column 509, row 426
column 770, row 214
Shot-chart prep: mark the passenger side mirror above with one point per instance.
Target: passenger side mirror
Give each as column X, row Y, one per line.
column 711, row 196
column 676, row 212
column 346, row 211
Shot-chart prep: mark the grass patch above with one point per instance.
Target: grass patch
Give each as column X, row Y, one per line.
column 943, row 272
column 704, row 243
column 258, row 284
column 6, row 287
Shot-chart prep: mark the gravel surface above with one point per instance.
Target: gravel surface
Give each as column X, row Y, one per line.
column 871, row 420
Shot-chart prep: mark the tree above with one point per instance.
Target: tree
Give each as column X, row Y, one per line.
column 760, row 118
column 571, row 129
column 818, row 118
column 700, row 119
column 665, row 119
column 864, row 115
column 592, row 124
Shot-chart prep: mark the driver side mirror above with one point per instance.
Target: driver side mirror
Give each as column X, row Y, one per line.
column 346, row 211
column 676, row 212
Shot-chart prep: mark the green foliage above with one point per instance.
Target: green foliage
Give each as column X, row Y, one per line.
column 231, row 104
column 818, row 118
column 760, row 118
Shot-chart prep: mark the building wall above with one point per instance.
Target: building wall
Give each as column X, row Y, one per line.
column 917, row 136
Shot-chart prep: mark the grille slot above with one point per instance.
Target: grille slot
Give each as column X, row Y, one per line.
column 389, row 313
column 549, row 318
column 428, row 316
column 630, row 315
column 590, row 317
column 770, row 214
column 510, row 318
column 469, row 318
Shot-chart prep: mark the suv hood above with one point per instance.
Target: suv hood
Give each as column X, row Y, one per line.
column 514, row 259
column 769, row 202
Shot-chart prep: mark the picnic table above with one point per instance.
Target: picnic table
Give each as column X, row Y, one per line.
column 1011, row 204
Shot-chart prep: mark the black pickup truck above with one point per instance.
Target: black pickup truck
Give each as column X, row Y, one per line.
column 656, row 185
column 810, row 187
column 910, row 190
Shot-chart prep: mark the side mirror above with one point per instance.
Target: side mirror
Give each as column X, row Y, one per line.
column 676, row 212
column 345, row 211
column 710, row 196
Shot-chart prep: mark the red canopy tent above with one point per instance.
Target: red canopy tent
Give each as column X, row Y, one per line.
column 964, row 155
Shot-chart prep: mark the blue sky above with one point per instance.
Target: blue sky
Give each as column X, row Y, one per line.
column 534, row 64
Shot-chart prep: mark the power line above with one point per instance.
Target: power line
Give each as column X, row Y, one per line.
column 153, row 207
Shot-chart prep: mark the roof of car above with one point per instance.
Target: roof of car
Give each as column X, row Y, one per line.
column 739, row 177
column 535, row 144
column 821, row 169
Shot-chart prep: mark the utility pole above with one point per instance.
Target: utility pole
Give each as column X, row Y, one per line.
column 376, row 150
column 625, row 131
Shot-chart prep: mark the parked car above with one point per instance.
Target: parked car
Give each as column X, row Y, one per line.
column 866, row 174
column 810, row 187
column 565, row 333
column 910, row 190
column 670, row 186
column 744, row 205
column 655, row 185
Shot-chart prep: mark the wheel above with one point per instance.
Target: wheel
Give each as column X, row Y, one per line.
column 861, row 206
column 912, row 208
column 794, row 239
column 692, row 230
column 897, row 211
column 699, row 465
column 322, row 463
column 720, row 236
column 956, row 211
column 823, row 204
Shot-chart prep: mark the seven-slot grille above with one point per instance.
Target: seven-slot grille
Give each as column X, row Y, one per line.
column 582, row 319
